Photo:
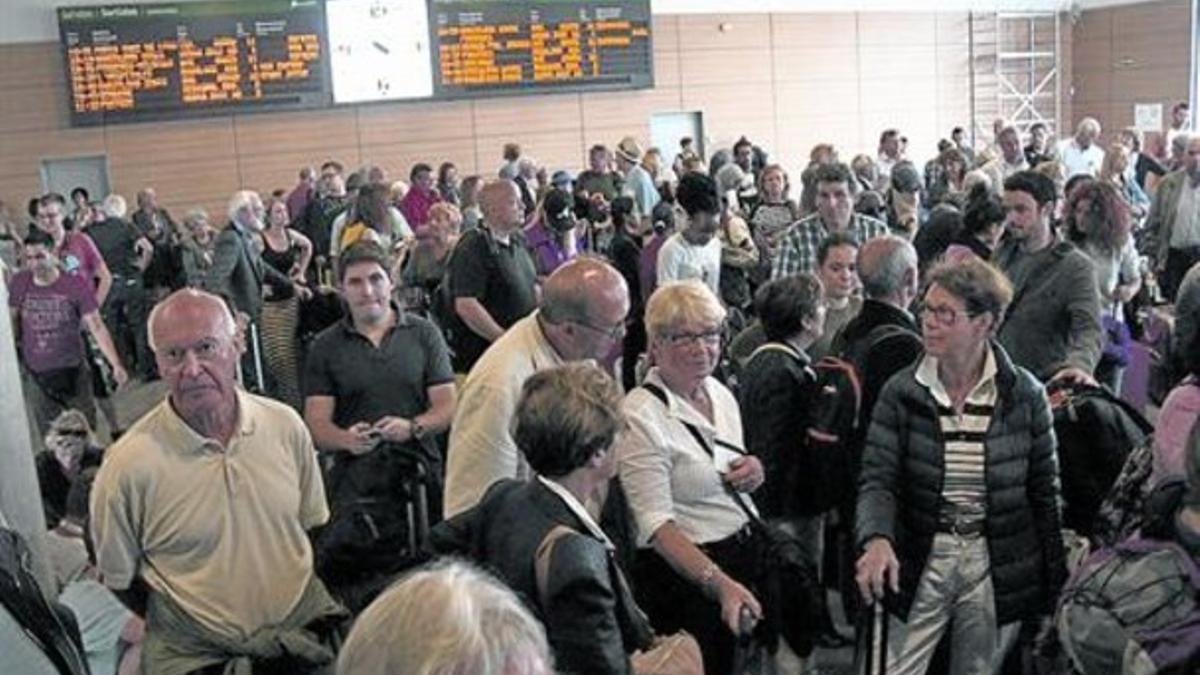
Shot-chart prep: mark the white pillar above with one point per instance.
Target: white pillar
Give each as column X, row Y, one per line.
column 20, row 499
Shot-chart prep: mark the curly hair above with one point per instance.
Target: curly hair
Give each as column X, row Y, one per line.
column 1106, row 221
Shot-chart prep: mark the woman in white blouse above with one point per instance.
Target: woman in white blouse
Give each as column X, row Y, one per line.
column 680, row 463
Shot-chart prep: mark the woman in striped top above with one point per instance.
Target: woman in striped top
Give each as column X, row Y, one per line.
column 958, row 498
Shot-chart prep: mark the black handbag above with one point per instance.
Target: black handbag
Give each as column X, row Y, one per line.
column 793, row 600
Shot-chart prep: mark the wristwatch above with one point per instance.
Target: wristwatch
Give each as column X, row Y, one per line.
column 417, row 430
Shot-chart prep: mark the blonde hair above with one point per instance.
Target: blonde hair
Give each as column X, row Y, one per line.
column 447, row 619
column 680, row 302
column 448, row 212
column 1114, row 156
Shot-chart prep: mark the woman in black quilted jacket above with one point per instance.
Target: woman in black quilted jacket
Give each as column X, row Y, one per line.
column 958, row 510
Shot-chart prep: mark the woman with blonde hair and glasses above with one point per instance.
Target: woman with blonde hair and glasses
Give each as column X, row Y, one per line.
column 681, row 463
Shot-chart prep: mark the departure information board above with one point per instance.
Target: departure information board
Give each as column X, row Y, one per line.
column 507, row 46
column 161, row 61
column 202, row 57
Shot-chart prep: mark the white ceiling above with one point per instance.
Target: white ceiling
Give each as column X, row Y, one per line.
column 33, row 20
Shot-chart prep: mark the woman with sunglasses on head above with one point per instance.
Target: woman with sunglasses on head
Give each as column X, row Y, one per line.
column 70, row 448
column 958, row 512
column 681, row 462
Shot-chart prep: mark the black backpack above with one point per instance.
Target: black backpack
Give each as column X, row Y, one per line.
column 839, row 416
column 49, row 627
column 380, row 513
column 1096, row 432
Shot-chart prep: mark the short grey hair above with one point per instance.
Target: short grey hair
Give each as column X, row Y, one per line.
column 882, row 264
column 1181, row 141
column 240, row 200
column 729, row 177
column 194, row 216
column 114, row 206
column 477, row 626
column 1088, row 123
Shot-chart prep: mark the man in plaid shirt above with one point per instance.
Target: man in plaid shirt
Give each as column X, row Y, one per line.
column 835, row 213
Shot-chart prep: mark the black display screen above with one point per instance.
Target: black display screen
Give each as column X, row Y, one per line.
column 502, row 46
column 163, row 61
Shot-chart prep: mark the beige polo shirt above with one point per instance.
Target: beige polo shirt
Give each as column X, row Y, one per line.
column 219, row 531
column 482, row 450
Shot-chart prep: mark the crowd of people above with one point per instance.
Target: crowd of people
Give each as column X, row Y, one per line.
column 644, row 414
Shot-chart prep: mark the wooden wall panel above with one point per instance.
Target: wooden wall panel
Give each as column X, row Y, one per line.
column 666, row 33
column 401, row 122
column 725, row 66
column 892, row 29
column 397, row 159
column 820, row 63
column 666, row 69
column 703, row 32
column 793, row 31
column 509, row 115
column 606, row 110
column 1126, row 55
column 23, row 152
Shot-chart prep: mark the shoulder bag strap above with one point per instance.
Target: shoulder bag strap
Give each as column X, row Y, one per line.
column 776, row 347
column 661, row 395
column 541, row 562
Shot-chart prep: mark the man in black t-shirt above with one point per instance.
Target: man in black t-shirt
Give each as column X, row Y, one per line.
column 380, row 375
column 492, row 276
column 127, row 253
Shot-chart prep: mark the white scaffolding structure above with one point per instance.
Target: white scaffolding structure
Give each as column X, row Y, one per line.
column 1016, row 70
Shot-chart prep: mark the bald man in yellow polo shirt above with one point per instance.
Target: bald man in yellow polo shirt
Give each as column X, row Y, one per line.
column 200, row 512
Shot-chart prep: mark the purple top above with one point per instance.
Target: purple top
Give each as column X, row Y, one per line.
column 415, row 205
column 80, row 257
column 649, row 264
column 51, row 317
column 548, row 254
column 298, row 199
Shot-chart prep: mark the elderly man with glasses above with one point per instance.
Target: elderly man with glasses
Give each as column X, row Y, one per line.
column 582, row 316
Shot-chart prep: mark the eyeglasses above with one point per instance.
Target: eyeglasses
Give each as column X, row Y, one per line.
column 709, row 338
column 944, row 315
column 71, row 432
column 614, row 332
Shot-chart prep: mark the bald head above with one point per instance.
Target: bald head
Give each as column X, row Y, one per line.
column 500, row 202
column 887, row 266
column 194, row 338
column 187, row 307
column 574, row 288
column 584, row 307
